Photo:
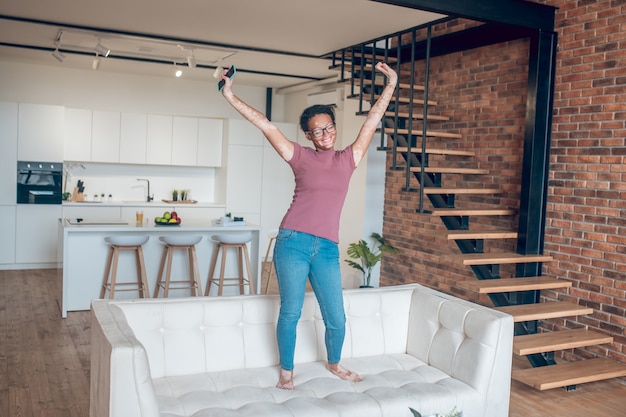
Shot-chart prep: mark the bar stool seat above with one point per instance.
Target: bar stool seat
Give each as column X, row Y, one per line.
column 118, row 244
column 172, row 243
column 239, row 242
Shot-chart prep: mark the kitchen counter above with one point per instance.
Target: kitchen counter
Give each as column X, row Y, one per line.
column 83, row 252
column 156, row 203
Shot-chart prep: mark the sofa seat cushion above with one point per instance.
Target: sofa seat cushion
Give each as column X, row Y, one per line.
column 391, row 384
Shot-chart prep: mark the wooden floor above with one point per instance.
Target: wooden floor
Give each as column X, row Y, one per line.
column 44, row 361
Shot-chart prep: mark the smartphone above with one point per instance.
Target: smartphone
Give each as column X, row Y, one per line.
column 230, row 74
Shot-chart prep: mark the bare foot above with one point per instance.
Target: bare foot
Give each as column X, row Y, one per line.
column 343, row 373
column 286, row 380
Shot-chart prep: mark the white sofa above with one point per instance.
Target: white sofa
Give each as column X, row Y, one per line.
column 217, row 356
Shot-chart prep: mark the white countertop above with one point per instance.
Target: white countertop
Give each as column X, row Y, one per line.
column 140, row 204
column 187, row 225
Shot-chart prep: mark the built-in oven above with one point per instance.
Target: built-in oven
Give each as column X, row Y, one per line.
column 39, row 182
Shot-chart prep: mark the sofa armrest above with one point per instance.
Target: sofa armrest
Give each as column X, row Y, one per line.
column 469, row 342
column 120, row 383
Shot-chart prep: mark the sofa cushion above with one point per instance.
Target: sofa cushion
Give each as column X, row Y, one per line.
column 391, row 384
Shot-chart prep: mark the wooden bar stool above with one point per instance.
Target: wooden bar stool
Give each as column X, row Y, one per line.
column 267, row 269
column 237, row 241
column 118, row 244
column 187, row 244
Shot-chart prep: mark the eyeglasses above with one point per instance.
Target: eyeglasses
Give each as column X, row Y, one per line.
column 318, row 133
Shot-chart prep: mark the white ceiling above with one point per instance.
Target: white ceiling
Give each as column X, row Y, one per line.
column 309, row 28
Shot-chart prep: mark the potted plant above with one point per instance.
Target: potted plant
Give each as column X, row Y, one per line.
column 368, row 257
column 453, row 413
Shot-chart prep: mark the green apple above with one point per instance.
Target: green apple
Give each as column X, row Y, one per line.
column 167, row 215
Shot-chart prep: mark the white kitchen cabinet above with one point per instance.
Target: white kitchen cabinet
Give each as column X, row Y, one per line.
column 159, row 140
column 184, row 141
column 36, row 233
column 210, row 140
column 105, row 136
column 245, row 178
column 8, row 144
column 40, row 132
column 242, row 132
column 189, row 211
column 278, row 182
column 77, row 142
column 7, row 237
column 133, row 138
column 92, row 211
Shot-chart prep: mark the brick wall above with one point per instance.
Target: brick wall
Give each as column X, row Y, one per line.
column 483, row 91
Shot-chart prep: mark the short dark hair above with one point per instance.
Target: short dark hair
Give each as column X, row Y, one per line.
column 314, row 110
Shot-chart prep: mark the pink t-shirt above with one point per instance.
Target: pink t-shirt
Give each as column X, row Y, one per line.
column 322, row 180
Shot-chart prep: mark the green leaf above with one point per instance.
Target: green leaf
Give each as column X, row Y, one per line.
column 415, row 413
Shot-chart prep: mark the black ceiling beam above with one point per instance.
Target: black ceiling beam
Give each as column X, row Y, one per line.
column 476, row 37
column 510, row 12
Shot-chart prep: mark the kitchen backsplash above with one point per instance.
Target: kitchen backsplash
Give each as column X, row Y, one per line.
column 120, row 181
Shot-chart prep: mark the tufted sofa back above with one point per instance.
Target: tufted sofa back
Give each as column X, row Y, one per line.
column 197, row 335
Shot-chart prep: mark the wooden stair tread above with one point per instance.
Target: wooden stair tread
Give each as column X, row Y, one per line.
column 417, row 115
column 481, row 234
column 490, row 258
column 418, row 132
column 368, row 67
column 437, row 151
column 541, row 311
column 570, row 373
column 559, row 340
column 451, row 170
column 377, row 82
column 441, row 190
column 471, row 212
column 492, row 286
column 408, row 100
column 367, row 55
column 402, row 100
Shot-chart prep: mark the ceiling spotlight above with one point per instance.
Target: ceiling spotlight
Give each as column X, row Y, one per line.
column 191, row 61
column 177, row 71
column 58, row 55
column 102, row 50
column 95, row 64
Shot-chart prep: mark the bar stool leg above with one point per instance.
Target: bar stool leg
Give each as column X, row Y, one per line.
column 107, row 272
column 141, row 274
column 193, row 271
column 222, row 269
column 168, row 271
column 212, row 270
column 271, row 265
column 116, row 257
column 159, row 282
column 242, row 286
column 251, row 283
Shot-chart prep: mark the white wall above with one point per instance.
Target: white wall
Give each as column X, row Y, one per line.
column 100, row 90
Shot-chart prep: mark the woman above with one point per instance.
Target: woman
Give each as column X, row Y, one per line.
column 307, row 241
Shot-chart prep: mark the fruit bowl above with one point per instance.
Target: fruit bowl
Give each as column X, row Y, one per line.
column 165, row 219
column 166, row 224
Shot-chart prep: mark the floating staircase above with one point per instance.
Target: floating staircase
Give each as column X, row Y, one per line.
column 518, row 296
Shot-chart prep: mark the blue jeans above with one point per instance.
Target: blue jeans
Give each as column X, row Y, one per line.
column 297, row 256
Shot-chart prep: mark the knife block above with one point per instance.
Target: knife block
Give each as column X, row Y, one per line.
column 76, row 196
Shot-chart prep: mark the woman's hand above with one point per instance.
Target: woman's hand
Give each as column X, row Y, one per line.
column 228, row 82
column 392, row 77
